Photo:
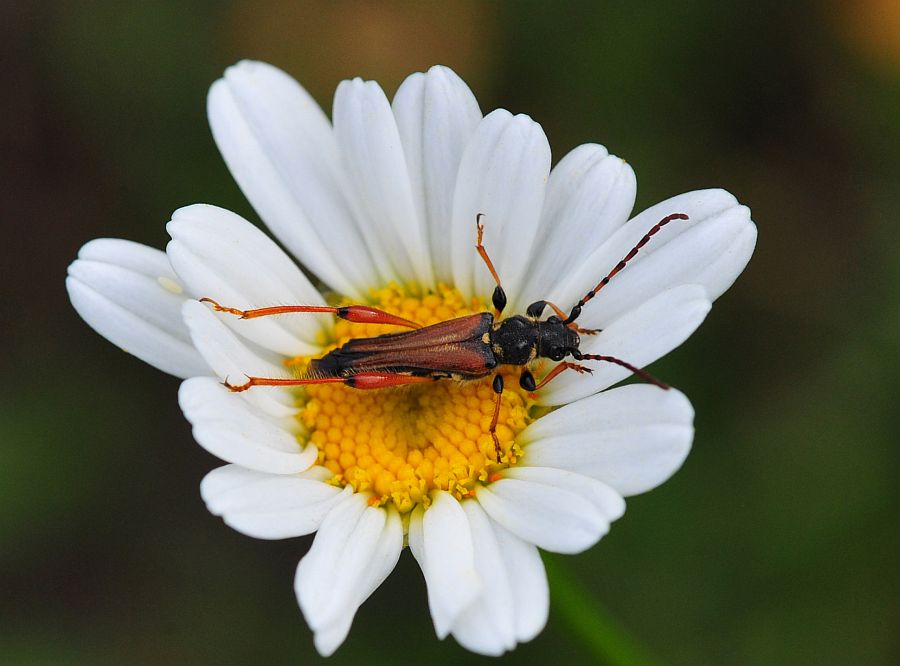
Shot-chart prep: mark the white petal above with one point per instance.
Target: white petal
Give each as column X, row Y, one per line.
column 317, row 473
column 231, row 429
column 528, row 581
column 387, row 553
column 589, row 196
column 632, row 438
column 318, row 571
column 488, row 625
column 268, row 506
column 231, row 359
column 710, row 249
column 721, row 273
column 373, row 158
column 503, row 174
column 129, row 294
column 355, row 549
column 281, row 150
column 442, row 544
column 607, row 500
column 220, row 255
column 328, row 639
column 559, row 511
column 639, row 337
column 436, row 115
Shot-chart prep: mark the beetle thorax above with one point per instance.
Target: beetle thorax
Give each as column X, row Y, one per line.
column 514, row 340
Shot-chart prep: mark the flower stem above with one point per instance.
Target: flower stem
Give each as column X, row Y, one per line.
column 594, row 626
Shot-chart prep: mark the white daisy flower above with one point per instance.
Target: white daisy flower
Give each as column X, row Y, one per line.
column 380, row 205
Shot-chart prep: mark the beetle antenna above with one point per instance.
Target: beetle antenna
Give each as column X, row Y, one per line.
column 576, row 311
column 643, row 374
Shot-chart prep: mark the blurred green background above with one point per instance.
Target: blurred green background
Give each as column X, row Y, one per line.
column 777, row 543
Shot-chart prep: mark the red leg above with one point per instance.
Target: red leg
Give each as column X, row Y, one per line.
column 562, row 315
column 559, row 313
column 499, row 296
column 498, row 391
column 360, row 314
column 482, row 251
column 562, row 367
column 363, row 380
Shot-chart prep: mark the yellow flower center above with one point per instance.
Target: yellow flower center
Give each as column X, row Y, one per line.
column 401, row 443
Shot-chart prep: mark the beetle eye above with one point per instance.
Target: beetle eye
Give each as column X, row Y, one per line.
column 557, row 354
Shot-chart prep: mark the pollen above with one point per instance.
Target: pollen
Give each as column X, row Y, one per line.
column 401, row 443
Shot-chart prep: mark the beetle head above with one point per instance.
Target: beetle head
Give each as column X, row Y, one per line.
column 556, row 340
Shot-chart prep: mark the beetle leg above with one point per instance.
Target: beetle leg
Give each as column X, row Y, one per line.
column 562, row 315
column 499, row 297
column 360, row 314
column 526, row 381
column 562, row 367
column 498, row 391
column 556, row 309
column 363, row 380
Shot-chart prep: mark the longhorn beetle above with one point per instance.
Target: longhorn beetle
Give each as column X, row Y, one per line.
column 465, row 348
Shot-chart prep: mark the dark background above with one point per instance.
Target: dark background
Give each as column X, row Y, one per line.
column 777, row 543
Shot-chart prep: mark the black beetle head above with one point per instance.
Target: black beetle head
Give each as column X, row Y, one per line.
column 556, row 340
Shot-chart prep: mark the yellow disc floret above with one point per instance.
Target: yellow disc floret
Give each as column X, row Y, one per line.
column 401, row 443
